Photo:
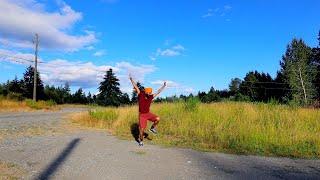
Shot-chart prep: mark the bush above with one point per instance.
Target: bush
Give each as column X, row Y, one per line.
column 192, row 104
column 15, row 96
column 104, row 114
column 273, row 101
column 40, row 104
column 242, row 98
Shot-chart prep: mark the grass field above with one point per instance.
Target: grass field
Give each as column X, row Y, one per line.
column 8, row 105
column 242, row 128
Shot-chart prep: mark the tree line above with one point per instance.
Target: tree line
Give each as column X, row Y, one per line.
column 109, row 91
column 296, row 82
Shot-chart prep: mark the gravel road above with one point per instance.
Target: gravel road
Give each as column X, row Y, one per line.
column 93, row 154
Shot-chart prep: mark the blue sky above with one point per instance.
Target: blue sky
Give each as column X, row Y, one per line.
column 192, row 44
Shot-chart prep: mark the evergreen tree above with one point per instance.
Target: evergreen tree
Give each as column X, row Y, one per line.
column 125, row 99
column 297, row 68
column 248, row 86
column 79, row 97
column 203, row 96
column 234, row 86
column 213, row 95
column 89, row 98
column 1, row 89
column 15, row 86
column 27, row 84
column 281, row 91
column 66, row 93
column 94, row 99
column 51, row 94
column 109, row 91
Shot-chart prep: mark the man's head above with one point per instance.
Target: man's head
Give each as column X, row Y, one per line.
column 148, row 90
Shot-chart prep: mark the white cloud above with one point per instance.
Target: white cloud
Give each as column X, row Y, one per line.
column 99, row 53
column 167, row 52
column 138, row 72
column 152, row 58
column 177, row 87
column 189, row 90
column 176, row 50
column 82, row 74
column 20, row 20
column 87, row 74
column 78, row 73
column 90, row 48
column 178, row 47
column 208, row 14
column 170, row 84
column 223, row 11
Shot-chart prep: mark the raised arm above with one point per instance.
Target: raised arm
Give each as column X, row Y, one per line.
column 134, row 85
column 160, row 90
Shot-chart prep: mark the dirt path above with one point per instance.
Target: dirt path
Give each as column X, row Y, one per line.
column 90, row 154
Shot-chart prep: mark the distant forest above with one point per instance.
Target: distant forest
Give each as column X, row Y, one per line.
column 297, row 82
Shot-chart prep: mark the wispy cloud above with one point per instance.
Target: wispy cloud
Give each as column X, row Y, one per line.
column 177, row 87
column 90, row 48
column 100, row 53
column 176, row 50
column 219, row 11
column 109, row 1
column 170, row 84
column 20, row 20
column 208, row 14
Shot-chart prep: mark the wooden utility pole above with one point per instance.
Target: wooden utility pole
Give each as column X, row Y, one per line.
column 36, row 42
column 304, row 89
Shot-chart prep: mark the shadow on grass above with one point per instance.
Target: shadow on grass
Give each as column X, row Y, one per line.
column 59, row 160
column 135, row 132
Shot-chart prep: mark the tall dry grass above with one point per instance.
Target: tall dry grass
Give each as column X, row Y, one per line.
column 9, row 105
column 243, row 128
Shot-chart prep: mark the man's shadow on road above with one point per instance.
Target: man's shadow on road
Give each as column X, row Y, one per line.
column 135, row 132
column 56, row 163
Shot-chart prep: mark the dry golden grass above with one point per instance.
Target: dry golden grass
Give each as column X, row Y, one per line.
column 10, row 171
column 7, row 105
column 243, row 128
column 13, row 106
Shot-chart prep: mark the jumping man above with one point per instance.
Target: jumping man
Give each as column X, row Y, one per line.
column 145, row 98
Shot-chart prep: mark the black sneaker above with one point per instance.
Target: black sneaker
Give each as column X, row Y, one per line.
column 153, row 130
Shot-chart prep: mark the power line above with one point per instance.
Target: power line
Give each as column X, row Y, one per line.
column 14, row 61
column 269, row 82
column 264, row 82
column 15, row 57
column 274, row 88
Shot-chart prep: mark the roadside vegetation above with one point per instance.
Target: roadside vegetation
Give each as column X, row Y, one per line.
column 232, row 127
column 12, row 105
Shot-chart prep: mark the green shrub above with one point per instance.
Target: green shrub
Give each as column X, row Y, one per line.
column 40, row 104
column 192, row 104
column 15, row 96
column 104, row 114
